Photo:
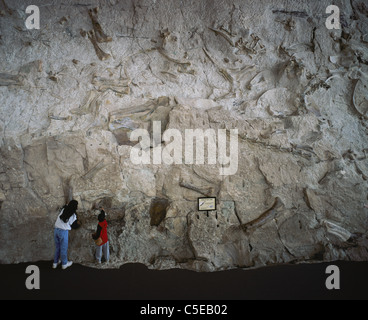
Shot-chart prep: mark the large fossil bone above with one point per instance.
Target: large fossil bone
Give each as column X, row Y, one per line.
column 92, row 172
column 100, row 35
column 7, row 79
column 89, row 105
column 206, row 192
column 222, row 34
column 120, row 86
column 60, row 118
column 92, row 37
column 340, row 232
column 269, row 214
column 360, row 97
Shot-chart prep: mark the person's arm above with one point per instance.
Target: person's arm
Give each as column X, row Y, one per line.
column 366, row 205
column 96, row 235
column 74, row 222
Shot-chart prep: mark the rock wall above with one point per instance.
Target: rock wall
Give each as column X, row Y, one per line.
column 73, row 91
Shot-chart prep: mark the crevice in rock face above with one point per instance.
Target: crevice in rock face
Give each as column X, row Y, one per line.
column 158, row 210
column 196, row 257
column 104, row 203
column 282, row 242
column 306, row 199
column 270, row 185
column 191, row 246
column 68, row 190
column 237, row 214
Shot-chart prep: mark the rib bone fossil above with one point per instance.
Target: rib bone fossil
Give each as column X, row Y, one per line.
column 264, row 217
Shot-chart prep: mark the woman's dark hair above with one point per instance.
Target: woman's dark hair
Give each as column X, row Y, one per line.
column 69, row 210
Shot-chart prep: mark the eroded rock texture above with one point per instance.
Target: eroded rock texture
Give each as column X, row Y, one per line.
column 73, row 91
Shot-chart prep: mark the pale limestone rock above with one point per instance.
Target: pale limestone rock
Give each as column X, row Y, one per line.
column 293, row 89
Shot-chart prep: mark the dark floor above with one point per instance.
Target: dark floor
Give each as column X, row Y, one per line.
column 136, row 282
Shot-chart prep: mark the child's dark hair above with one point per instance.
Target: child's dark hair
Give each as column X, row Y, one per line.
column 101, row 216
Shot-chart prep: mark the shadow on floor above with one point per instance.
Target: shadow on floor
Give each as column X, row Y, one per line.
column 137, row 282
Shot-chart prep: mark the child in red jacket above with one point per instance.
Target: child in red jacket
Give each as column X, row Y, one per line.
column 102, row 239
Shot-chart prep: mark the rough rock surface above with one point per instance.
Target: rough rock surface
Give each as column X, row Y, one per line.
column 295, row 91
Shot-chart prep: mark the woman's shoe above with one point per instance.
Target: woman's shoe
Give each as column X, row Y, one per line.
column 54, row 265
column 67, row 265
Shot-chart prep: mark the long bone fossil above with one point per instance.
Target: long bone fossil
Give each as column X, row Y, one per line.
column 100, row 35
column 269, row 214
column 97, row 35
column 92, row 37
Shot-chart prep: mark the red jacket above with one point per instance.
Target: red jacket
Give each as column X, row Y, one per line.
column 101, row 232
